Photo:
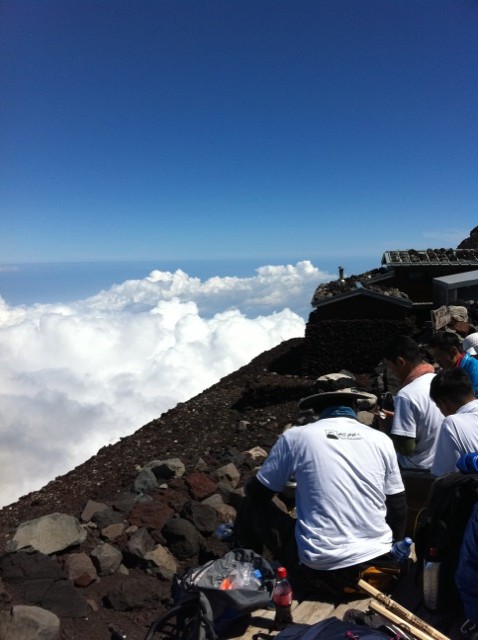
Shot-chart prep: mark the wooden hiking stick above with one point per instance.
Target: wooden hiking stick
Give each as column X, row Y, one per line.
column 388, row 608
column 407, row 626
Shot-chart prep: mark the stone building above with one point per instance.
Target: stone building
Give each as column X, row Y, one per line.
column 353, row 317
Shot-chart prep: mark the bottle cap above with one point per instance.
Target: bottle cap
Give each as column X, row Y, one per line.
column 281, row 572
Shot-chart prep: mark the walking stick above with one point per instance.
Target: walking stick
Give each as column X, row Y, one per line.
column 388, row 608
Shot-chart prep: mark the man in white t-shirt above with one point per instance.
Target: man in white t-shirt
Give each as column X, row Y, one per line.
column 453, row 393
column 416, row 418
column 350, row 499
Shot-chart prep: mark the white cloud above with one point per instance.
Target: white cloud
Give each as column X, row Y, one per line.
column 76, row 377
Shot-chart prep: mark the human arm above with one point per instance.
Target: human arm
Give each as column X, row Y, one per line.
column 396, row 517
column 404, row 427
column 447, row 451
column 256, row 491
column 404, row 445
column 395, row 498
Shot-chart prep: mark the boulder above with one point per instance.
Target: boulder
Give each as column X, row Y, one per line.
column 23, row 622
column 106, row 558
column 39, row 580
column 152, row 515
column 80, row 569
column 92, row 507
column 228, row 473
column 140, row 543
column 202, row 516
column 200, row 486
column 113, row 531
column 166, row 469
column 145, row 481
column 106, row 517
column 132, row 594
column 48, row 534
column 163, row 561
column 183, row 538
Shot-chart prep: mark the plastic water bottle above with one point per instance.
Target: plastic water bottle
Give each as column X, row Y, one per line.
column 243, row 576
column 401, row 549
column 431, row 579
column 282, row 599
column 224, row 531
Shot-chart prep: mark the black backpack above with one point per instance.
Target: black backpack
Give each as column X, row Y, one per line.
column 203, row 609
column 334, row 629
column 441, row 526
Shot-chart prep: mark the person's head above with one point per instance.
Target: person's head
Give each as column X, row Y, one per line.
column 400, row 355
column 347, row 397
column 445, row 348
column 450, row 389
column 458, row 313
column 470, row 344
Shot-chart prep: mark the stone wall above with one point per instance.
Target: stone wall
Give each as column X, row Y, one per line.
column 355, row 345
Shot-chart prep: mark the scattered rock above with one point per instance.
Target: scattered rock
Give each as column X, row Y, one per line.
column 107, row 558
column 80, row 569
column 48, row 534
column 23, row 622
column 182, row 537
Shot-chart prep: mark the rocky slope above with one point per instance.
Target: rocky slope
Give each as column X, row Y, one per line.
column 246, row 409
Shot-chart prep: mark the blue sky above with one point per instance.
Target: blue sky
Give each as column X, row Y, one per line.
column 264, row 129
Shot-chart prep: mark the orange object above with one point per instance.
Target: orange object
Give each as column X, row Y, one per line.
column 226, row 584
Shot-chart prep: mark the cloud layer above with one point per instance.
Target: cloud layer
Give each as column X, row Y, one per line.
column 74, row 377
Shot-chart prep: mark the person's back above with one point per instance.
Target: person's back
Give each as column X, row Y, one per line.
column 416, row 418
column 453, row 393
column 344, row 470
column 350, row 498
column 415, row 413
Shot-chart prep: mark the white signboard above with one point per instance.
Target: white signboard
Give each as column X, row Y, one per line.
column 440, row 318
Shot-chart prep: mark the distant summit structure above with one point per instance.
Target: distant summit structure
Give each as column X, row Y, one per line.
column 355, row 315
column 406, row 274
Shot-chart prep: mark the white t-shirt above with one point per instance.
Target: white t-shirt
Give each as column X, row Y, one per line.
column 343, row 470
column 417, row 416
column 458, row 434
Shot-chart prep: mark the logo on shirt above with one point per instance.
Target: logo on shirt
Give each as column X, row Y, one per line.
column 343, row 435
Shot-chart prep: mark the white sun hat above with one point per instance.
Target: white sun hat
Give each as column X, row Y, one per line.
column 470, row 344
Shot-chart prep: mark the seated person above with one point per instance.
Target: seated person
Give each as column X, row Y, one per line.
column 453, row 394
column 448, row 353
column 416, row 418
column 350, row 499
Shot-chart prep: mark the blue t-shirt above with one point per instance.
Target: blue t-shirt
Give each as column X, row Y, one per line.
column 470, row 365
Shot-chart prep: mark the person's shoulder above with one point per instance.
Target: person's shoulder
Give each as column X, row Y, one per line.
column 379, row 437
column 469, row 407
column 419, row 385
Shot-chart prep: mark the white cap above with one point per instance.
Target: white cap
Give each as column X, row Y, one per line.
column 470, row 344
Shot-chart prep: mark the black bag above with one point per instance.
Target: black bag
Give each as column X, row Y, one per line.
column 202, row 608
column 334, row 629
column 442, row 524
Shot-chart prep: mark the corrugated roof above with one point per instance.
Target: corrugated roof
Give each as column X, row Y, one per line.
column 430, row 257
